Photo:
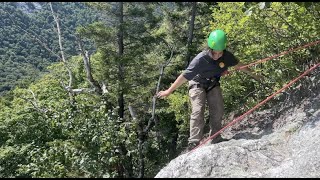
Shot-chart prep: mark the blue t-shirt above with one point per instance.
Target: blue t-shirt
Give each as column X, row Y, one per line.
column 203, row 67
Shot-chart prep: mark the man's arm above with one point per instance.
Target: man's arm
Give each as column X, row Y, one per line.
column 177, row 83
column 249, row 72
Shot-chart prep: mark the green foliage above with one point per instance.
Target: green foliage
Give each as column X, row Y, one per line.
column 22, row 57
column 82, row 140
column 260, row 31
column 43, row 134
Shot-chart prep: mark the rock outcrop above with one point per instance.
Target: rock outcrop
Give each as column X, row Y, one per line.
column 283, row 141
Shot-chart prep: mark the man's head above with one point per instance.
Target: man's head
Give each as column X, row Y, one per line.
column 217, row 42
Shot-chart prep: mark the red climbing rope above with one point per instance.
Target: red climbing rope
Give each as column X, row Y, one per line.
column 268, row 98
column 277, row 55
column 258, row 105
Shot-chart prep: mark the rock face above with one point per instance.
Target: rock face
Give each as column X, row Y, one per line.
column 280, row 142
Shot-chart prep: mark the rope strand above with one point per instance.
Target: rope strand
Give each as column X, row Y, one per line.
column 255, row 107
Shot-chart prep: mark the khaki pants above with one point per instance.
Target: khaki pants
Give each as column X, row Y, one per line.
column 198, row 98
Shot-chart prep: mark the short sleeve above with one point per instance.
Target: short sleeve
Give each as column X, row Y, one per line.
column 232, row 59
column 192, row 70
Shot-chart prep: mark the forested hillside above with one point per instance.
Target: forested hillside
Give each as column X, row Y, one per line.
column 27, row 33
column 94, row 112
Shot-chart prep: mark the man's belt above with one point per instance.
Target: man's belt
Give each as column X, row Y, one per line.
column 206, row 87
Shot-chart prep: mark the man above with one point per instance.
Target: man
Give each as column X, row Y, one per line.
column 203, row 74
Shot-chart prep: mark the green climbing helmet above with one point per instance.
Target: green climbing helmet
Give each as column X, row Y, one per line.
column 217, row 40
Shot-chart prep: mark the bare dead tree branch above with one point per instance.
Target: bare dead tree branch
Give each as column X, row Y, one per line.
column 33, row 102
column 69, row 87
column 142, row 132
column 154, row 98
column 82, row 90
column 86, row 61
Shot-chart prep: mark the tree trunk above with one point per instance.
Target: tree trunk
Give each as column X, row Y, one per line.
column 127, row 166
column 87, row 65
column 120, row 66
column 173, row 144
column 191, row 28
column 69, row 87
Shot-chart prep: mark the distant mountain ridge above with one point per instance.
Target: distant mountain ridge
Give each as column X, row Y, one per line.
column 29, row 7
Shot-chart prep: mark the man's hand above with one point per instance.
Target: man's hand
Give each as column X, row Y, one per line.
column 224, row 73
column 178, row 82
column 163, row 93
column 249, row 72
